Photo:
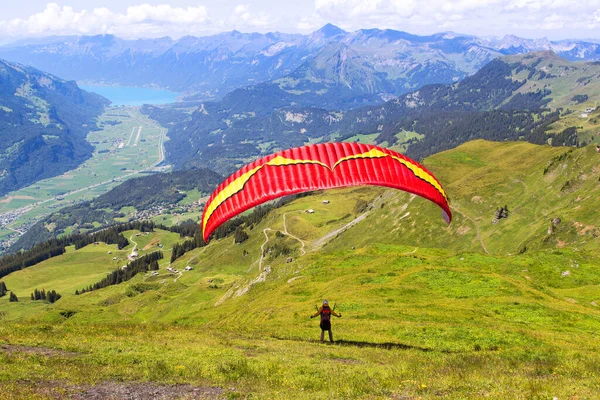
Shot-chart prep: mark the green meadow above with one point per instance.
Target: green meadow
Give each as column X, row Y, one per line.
column 471, row 310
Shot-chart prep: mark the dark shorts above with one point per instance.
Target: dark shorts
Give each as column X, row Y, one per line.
column 325, row 325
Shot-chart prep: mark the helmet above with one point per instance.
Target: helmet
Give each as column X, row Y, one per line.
column 325, row 302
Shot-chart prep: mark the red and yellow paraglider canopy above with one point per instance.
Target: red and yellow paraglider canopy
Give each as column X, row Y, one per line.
column 319, row 166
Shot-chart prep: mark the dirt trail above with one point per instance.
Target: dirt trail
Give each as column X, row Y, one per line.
column 264, row 271
column 262, row 248
column 476, row 228
column 21, row 233
column 236, row 291
column 320, row 242
column 411, row 252
column 145, row 390
column 285, row 231
column 376, row 203
column 37, row 350
column 134, row 243
column 120, row 390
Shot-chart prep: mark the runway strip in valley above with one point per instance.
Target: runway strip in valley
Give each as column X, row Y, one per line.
column 137, row 138
column 131, row 136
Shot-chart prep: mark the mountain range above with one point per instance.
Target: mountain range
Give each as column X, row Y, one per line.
column 370, row 62
column 511, row 98
column 335, row 94
column 100, row 300
column 44, row 121
column 519, row 97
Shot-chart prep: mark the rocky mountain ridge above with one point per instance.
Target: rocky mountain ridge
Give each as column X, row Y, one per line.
column 214, row 65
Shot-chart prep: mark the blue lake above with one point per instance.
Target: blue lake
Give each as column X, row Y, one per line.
column 132, row 96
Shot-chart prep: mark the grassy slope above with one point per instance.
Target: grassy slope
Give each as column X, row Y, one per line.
column 481, row 176
column 465, row 324
column 564, row 78
column 588, row 127
column 79, row 268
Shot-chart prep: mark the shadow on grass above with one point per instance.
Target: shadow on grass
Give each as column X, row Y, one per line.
column 355, row 343
column 386, row 346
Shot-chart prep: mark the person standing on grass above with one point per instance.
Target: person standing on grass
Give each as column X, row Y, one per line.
column 326, row 312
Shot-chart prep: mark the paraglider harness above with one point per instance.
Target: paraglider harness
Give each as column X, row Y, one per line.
column 326, row 317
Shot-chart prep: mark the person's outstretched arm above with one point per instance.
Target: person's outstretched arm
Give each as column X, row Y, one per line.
column 317, row 313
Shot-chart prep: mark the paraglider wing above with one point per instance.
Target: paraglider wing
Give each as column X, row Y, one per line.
column 319, row 166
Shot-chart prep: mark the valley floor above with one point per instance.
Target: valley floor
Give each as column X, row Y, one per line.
column 127, row 144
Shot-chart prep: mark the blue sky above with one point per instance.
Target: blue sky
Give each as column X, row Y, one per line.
column 554, row 19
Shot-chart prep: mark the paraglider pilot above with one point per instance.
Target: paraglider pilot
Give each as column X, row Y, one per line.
column 326, row 312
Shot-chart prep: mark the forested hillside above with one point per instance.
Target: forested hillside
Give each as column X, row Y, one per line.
column 138, row 193
column 509, row 99
column 43, row 124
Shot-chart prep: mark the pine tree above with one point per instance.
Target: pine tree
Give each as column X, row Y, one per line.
column 13, row 297
column 53, row 296
column 240, row 235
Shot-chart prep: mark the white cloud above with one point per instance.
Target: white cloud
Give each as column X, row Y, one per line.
column 520, row 5
column 145, row 13
column 553, row 21
column 242, row 14
column 480, row 17
column 351, row 9
column 306, row 25
column 242, row 9
column 143, row 20
column 566, row 6
column 529, row 18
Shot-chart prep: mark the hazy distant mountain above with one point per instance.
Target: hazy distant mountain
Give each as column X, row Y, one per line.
column 571, row 50
column 369, row 62
column 213, row 64
column 43, row 124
